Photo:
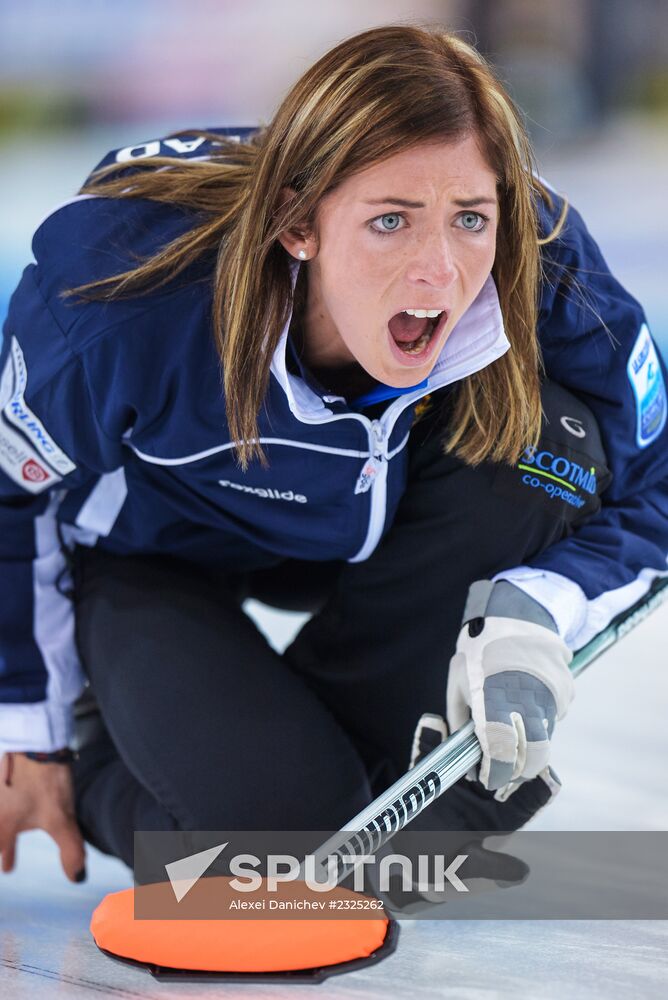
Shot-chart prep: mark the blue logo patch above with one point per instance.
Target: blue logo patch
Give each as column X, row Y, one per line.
column 561, row 478
column 649, row 389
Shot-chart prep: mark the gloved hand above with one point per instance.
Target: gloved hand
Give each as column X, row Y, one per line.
column 484, row 870
column 510, row 673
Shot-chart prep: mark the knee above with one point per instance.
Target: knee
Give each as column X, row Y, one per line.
column 265, row 797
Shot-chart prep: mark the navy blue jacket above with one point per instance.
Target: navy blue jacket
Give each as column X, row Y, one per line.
column 113, row 433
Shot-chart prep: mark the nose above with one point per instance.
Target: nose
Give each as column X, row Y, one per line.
column 433, row 262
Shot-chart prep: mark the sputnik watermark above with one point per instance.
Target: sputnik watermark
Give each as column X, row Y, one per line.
column 432, row 872
column 424, row 872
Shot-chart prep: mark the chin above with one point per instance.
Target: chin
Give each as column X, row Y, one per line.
column 406, row 379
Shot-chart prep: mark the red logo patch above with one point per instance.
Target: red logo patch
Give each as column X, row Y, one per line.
column 34, row 472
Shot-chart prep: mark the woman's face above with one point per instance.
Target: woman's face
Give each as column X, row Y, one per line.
column 415, row 232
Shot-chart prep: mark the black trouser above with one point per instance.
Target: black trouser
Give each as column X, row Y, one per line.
column 209, row 728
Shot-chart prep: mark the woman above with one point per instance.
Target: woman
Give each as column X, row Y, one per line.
column 388, row 283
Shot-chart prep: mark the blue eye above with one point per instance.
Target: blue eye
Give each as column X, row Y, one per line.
column 391, row 222
column 477, row 221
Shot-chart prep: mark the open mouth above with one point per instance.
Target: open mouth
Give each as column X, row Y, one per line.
column 413, row 334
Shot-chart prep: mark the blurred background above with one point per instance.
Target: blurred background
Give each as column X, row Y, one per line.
column 83, row 76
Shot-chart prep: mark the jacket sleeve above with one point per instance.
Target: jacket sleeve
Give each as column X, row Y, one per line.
column 50, row 441
column 596, row 343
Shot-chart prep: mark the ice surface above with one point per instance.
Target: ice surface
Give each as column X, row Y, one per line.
column 610, row 752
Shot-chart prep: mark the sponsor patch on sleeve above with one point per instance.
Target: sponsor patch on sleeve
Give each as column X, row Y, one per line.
column 16, row 411
column 22, row 463
column 649, row 388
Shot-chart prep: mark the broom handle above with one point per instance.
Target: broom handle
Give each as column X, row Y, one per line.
column 450, row 761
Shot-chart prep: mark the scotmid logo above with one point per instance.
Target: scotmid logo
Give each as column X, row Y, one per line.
column 559, row 468
column 557, row 475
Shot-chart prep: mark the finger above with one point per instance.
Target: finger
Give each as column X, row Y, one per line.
column 520, row 731
column 497, row 773
column 71, row 846
column 430, row 732
column 550, row 777
column 8, row 852
column 458, row 710
column 538, row 755
column 498, row 741
column 505, row 791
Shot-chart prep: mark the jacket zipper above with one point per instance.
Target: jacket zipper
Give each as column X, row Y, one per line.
column 375, row 469
column 373, row 477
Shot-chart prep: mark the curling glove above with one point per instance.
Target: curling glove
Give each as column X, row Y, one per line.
column 510, row 674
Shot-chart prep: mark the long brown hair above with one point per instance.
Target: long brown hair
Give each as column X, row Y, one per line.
column 371, row 96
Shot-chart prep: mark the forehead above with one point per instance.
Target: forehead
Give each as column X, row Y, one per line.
column 427, row 170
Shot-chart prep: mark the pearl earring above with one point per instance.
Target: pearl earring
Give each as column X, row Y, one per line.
column 302, row 255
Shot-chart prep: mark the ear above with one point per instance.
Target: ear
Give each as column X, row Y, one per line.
column 298, row 241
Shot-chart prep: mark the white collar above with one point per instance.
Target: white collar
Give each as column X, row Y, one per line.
column 478, row 339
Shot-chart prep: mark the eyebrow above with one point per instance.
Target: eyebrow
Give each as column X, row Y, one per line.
column 404, row 203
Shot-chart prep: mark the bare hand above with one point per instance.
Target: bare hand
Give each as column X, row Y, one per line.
column 39, row 797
